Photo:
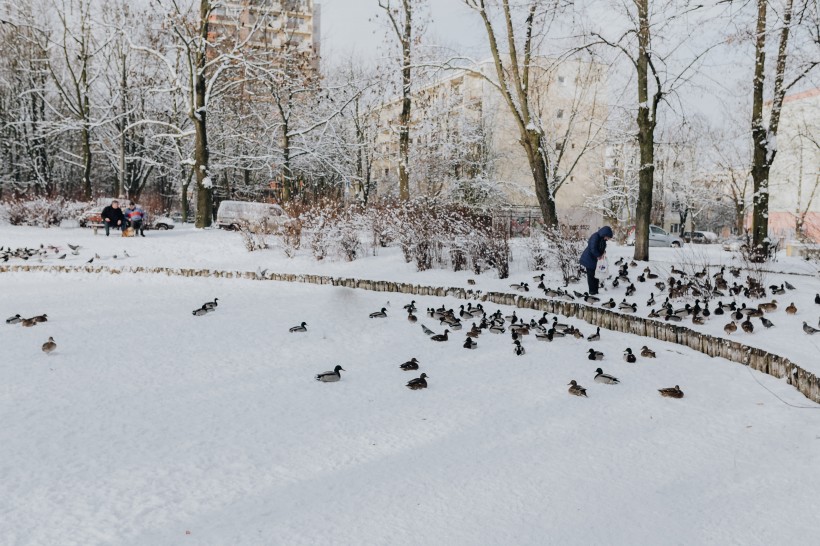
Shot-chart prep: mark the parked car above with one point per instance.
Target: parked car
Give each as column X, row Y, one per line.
column 700, row 237
column 657, row 237
column 242, row 214
column 735, row 244
column 160, row 222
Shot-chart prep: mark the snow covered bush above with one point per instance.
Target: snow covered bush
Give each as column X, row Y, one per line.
column 564, row 245
column 537, row 245
column 41, row 212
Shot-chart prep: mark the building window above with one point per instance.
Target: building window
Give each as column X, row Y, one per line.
column 560, row 113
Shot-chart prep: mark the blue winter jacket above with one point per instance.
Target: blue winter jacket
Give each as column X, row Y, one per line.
column 595, row 247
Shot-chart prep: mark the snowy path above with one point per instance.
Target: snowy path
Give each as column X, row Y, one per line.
column 138, row 430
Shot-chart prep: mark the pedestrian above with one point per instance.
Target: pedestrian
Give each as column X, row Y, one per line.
column 594, row 252
column 135, row 216
column 113, row 217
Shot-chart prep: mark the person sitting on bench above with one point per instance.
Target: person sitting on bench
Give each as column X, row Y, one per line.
column 113, row 217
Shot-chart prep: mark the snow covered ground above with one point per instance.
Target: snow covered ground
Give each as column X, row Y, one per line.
column 152, row 426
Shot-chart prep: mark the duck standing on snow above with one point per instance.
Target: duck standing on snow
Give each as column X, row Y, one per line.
column 441, row 337
column 595, row 355
column 646, row 352
column 14, row 320
column 629, row 357
column 40, row 318
column 576, row 390
column 418, row 383
column 671, row 392
column 411, row 317
column 28, row 322
column 730, row 328
column 596, row 336
column 330, row 377
column 379, row 314
column 301, row 328
column 49, row 346
column 411, row 364
column 519, row 350
column 747, row 326
column 817, row 299
column 791, row 309
column 470, row 343
column 210, row 305
column 601, row 377
column 199, row 312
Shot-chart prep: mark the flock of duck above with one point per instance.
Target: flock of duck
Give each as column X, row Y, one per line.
column 49, row 346
column 544, row 329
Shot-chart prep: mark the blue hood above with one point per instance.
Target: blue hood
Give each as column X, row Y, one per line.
column 605, row 231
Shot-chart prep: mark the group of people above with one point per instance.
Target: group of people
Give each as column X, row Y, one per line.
column 114, row 217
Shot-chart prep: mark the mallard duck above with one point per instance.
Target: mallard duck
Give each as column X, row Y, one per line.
column 14, row 320
column 544, row 336
column 411, row 307
column 411, row 317
column 40, row 318
column 747, row 326
column 646, row 352
column 520, row 329
column 651, row 301
column 698, row 319
column 730, row 328
column 671, row 392
column 653, row 314
column 330, row 377
column 49, row 346
column 791, row 309
column 538, row 278
column 521, row 287
column 555, row 333
column 591, row 299
column 576, row 390
column 418, row 383
column 595, row 355
column 496, row 329
column 470, row 343
column 596, row 336
column 816, row 299
column 210, row 304
column 809, row 329
column 441, row 337
column 601, row 377
column 301, row 328
column 379, row 314
column 27, row 322
column 629, row 357
column 411, row 364
column 199, row 312
column 519, row 349
column 610, row 304
column 628, row 308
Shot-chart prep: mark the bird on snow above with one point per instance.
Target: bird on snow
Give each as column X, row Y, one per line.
column 330, row 377
column 211, row 304
column 791, row 309
column 28, row 322
column 730, row 328
column 671, row 392
column 411, row 364
column 470, row 343
column 747, row 326
column 610, row 304
column 766, row 322
column 13, row 320
column 519, row 350
column 379, row 314
column 809, row 329
column 596, row 336
column 646, row 352
column 73, row 247
column 301, row 328
column 441, row 337
column 595, row 355
column 629, row 357
column 199, row 312
column 49, row 346
column 418, row 383
column 427, row 330
column 411, row 317
column 410, row 307
column 789, row 285
column 817, row 299
column 521, row 287
column 62, row 257
column 40, row 318
column 601, row 377
column 576, row 389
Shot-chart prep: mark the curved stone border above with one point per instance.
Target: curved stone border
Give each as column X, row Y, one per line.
column 758, row 359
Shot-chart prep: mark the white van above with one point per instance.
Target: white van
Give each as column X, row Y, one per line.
column 244, row 214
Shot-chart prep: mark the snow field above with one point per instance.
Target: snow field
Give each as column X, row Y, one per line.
column 149, row 422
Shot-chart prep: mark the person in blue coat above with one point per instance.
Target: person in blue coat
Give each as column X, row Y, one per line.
column 595, row 250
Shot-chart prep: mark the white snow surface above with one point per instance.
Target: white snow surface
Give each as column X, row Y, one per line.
column 152, row 426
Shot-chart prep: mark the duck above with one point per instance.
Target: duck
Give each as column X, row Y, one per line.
column 301, row 328
column 411, row 317
column 747, row 326
column 27, row 322
column 555, row 333
column 411, row 364
column 575, row 389
column 331, row 377
column 596, row 336
column 411, row 307
column 520, row 329
column 671, row 392
column 651, row 301
column 653, row 314
column 601, row 377
column 630, row 290
column 14, row 320
column 199, row 312
column 538, row 278
column 40, row 318
column 627, row 307
column 49, row 346
column 766, row 322
column 544, row 336
column 730, row 328
column 475, row 331
column 629, row 357
column 698, row 319
column 595, row 355
column 496, row 329
column 519, row 349
column 379, row 314
column 809, row 329
column 441, row 337
column 610, row 304
column 817, row 299
column 211, row 304
column 418, row 383
column 791, row 309
column 646, row 352
column 470, row 343
column 591, row 299
column 559, row 325
column 521, row 287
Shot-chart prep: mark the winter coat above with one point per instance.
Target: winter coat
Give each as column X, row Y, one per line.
column 113, row 214
column 135, row 214
column 596, row 247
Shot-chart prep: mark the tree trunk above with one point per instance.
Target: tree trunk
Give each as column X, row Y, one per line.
column 760, row 170
column 85, row 137
column 538, row 166
column 204, row 184
column 184, row 196
column 646, row 137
